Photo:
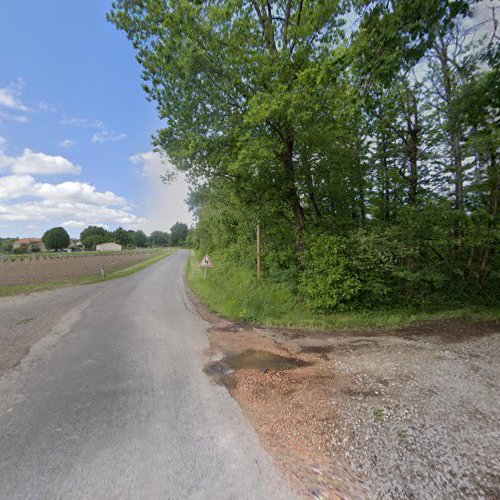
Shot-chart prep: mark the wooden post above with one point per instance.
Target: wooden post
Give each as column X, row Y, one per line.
column 258, row 251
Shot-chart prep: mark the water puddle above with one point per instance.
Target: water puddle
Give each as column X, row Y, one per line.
column 221, row 370
column 261, row 360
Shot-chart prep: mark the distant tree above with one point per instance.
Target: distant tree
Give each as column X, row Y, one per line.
column 93, row 231
column 140, row 239
column 6, row 244
column 178, row 234
column 158, row 239
column 90, row 241
column 124, row 237
column 56, row 238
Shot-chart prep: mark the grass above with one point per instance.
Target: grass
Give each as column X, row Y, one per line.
column 379, row 414
column 236, row 295
column 6, row 291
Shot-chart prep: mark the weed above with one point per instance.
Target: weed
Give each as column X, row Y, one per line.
column 24, row 321
column 379, row 414
column 403, row 434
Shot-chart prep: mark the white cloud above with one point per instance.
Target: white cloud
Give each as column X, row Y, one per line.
column 82, row 122
column 50, row 210
column 24, row 200
column 9, row 98
column 164, row 203
column 46, row 107
column 106, row 136
column 81, row 224
column 30, row 162
column 77, row 192
column 13, row 118
column 102, row 135
column 152, row 164
column 14, row 186
column 67, row 143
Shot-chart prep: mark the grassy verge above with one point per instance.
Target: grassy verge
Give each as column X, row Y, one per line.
column 236, row 295
column 6, row 291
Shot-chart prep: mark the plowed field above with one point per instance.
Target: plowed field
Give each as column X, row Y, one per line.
column 27, row 272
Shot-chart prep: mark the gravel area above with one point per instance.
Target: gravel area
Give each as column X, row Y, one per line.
column 408, row 413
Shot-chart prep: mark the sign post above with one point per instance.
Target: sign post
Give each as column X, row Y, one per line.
column 258, row 252
column 205, row 262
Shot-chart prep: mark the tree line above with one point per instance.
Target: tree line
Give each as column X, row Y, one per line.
column 57, row 238
column 94, row 235
column 362, row 135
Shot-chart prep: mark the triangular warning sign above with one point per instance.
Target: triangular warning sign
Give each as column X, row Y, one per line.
column 206, row 262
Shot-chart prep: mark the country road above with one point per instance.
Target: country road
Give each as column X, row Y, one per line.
column 112, row 402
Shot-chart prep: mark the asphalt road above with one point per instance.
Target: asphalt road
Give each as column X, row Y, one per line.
column 113, row 402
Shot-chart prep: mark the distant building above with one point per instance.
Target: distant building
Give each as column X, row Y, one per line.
column 30, row 244
column 75, row 244
column 108, row 247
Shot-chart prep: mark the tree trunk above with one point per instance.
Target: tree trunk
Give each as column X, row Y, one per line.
column 412, row 140
column 453, row 129
column 292, row 195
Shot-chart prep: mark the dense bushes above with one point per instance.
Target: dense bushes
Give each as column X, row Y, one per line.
column 397, row 267
column 329, row 281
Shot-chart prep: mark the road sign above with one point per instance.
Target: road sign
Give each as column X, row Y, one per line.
column 206, row 262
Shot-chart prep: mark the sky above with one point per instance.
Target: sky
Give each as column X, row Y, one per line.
column 75, row 126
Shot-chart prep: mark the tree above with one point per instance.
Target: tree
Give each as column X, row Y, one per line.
column 281, row 115
column 93, row 230
column 158, row 239
column 92, row 240
column 225, row 73
column 56, row 238
column 178, row 234
column 140, row 239
column 124, row 237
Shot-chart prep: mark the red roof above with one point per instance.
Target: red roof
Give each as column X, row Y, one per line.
column 28, row 240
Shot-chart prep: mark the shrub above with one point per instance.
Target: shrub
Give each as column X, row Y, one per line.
column 56, row 238
column 328, row 281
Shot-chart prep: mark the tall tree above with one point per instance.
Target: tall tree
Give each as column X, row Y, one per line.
column 56, row 238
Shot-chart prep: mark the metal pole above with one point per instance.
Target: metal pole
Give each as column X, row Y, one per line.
column 205, row 272
column 258, row 251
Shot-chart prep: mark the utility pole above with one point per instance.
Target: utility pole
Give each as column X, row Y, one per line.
column 258, row 252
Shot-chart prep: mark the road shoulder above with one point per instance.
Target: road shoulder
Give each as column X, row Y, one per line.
column 367, row 413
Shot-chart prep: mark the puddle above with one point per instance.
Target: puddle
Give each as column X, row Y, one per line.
column 260, row 360
column 222, row 370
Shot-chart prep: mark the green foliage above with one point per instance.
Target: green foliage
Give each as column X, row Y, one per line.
column 328, row 281
column 178, row 234
column 158, row 239
column 91, row 240
column 366, row 151
column 140, row 239
column 56, row 238
column 124, row 237
column 93, row 231
column 6, row 244
column 231, row 290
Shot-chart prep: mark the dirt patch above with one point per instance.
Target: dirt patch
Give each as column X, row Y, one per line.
column 29, row 271
column 407, row 413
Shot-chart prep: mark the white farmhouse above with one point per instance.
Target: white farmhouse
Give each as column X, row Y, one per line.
column 108, row 247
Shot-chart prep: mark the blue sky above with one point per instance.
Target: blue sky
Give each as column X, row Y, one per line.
column 75, row 127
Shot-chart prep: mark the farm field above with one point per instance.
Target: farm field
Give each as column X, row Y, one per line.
column 63, row 267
